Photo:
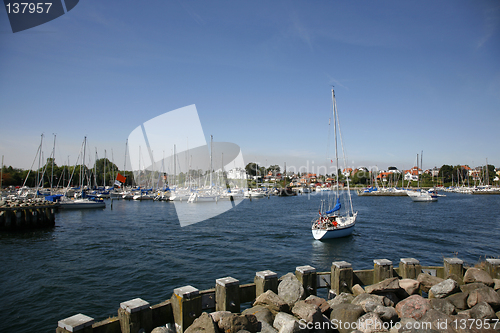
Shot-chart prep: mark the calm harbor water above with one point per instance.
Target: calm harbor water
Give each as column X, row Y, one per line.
column 95, row 259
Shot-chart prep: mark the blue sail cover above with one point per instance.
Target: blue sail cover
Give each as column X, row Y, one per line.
column 336, row 208
column 53, row 198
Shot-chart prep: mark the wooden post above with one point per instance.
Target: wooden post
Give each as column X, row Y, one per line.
column 186, row 306
column 38, row 217
column 227, row 295
column 18, row 214
column 453, row 266
column 341, row 277
column 8, row 219
column 307, row 276
column 2, row 218
column 135, row 316
column 382, row 269
column 409, row 268
column 78, row 323
column 264, row 281
column 52, row 217
column 47, row 217
column 493, row 268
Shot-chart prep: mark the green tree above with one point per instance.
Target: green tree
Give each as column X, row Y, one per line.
column 111, row 170
column 359, row 178
column 488, row 172
column 445, row 173
column 460, row 174
column 274, row 169
column 252, row 169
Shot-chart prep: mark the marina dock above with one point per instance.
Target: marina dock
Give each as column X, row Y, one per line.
column 26, row 215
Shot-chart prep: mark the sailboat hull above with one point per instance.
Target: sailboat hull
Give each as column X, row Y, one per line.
column 343, row 229
column 82, row 204
column 421, row 196
column 321, row 234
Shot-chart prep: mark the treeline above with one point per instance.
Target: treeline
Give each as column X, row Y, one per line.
column 62, row 176
column 447, row 176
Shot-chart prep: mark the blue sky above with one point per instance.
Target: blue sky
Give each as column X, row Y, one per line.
column 409, row 77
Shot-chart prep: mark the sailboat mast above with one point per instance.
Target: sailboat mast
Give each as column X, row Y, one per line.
column 53, row 157
column 211, row 147
column 1, row 175
column 83, row 173
column 487, row 176
column 95, row 168
column 418, row 175
column 421, row 163
column 175, row 174
column 104, row 177
column 39, row 164
column 125, row 161
column 335, row 135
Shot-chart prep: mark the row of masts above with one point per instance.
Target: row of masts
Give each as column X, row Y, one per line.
column 83, row 170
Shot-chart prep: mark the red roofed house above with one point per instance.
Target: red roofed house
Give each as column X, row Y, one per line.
column 412, row 174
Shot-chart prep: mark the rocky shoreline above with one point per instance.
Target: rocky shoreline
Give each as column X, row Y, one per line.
column 425, row 304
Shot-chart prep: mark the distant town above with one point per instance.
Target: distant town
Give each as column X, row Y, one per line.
column 446, row 175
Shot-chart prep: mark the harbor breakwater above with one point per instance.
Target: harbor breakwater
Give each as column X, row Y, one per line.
column 379, row 296
column 26, row 215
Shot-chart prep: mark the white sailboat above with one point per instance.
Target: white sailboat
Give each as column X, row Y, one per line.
column 210, row 194
column 421, row 195
column 83, row 201
column 255, row 193
column 338, row 221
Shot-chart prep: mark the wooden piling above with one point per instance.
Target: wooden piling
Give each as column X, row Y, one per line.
column 382, row 269
column 493, row 268
column 135, row 316
column 227, row 295
column 409, row 268
column 341, row 277
column 186, row 306
column 453, row 267
column 18, row 217
column 264, row 281
column 307, row 276
column 8, row 220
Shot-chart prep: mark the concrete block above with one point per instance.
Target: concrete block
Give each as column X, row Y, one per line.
column 78, row 323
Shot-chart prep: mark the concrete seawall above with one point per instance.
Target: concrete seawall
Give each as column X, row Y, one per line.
column 187, row 303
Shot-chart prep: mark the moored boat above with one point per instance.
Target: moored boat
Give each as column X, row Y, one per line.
column 422, row 196
column 336, row 223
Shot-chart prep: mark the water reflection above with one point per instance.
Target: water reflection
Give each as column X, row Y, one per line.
column 327, row 251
